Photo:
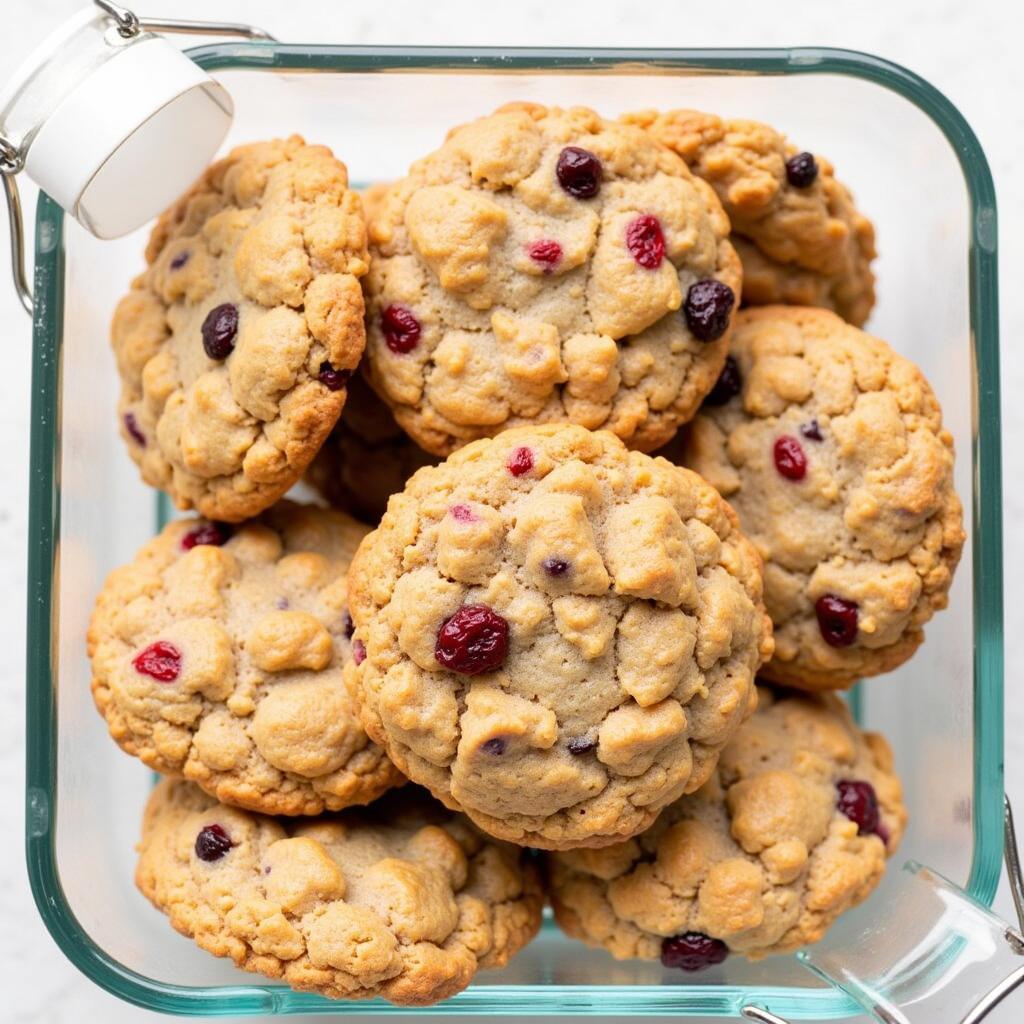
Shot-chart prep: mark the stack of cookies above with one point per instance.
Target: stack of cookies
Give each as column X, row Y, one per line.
column 613, row 494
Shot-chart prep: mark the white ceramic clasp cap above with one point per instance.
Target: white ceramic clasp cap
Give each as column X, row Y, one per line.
column 131, row 132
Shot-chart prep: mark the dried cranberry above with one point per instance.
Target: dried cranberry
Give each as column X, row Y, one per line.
column 579, row 172
column 401, row 328
column 801, row 170
column 837, row 620
column 358, row 652
column 547, row 252
column 212, row 843
column 473, row 640
column 207, row 533
column 520, row 461
column 790, row 460
column 857, row 800
column 160, row 660
column 348, row 627
column 332, row 379
column 708, row 306
column 728, row 385
column 645, row 241
column 693, row 951
column 462, row 514
column 131, row 424
column 811, row 430
column 494, row 746
column 555, row 566
column 180, row 260
column 219, row 330
column 581, row 745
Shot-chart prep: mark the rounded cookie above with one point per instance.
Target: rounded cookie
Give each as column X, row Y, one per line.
column 800, row 237
column 545, row 265
column 831, row 448
column 217, row 654
column 236, row 344
column 401, row 900
column 791, row 830
column 555, row 634
column 367, row 458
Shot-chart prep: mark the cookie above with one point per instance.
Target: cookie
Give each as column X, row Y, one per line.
column 791, row 830
column 236, row 344
column 796, row 229
column 545, row 265
column 367, row 458
column 555, row 634
column 831, row 448
column 217, row 654
column 400, row 900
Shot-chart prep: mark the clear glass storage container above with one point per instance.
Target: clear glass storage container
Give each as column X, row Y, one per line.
column 916, row 169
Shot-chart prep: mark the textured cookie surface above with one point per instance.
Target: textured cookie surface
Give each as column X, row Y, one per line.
column 801, row 239
column 537, row 268
column 834, row 456
column 558, row 634
column 367, row 458
column 235, row 345
column 791, row 830
column 217, row 654
column 401, row 900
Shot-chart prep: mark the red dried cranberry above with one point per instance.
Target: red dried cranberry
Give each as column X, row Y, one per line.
column 401, row 328
column 547, row 252
column 581, row 745
column 207, row 533
column 555, row 566
column 857, row 800
column 462, row 514
column 212, row 843
column 219, row 330
column 332, row 379
column 790, row 460
column 645, row 241
column 520, row 461
column 579, row 172
column 801, row 170
column 358, row 652
column 348, row 626
column 473, row 640
column 707, row 308
column 180, row 260
column 494, row 746
column 811, row 430
column 161, row 660
column 131, row 424
column 837, row 620
column 693, row 951
column 728, row 385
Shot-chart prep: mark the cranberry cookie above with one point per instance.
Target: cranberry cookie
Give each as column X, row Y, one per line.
column 235, row 346
column 801, row 239
column 556, row 635
column 831, row 448
column 546, row 265
column 401, row 900
column 367, row 458
column 217, row 654
column 792, row 830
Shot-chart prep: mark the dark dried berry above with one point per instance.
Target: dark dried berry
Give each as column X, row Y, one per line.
column 131, row 424
column 358, row 652
column 473, row 640
column 811, row 430
column 212, row 843
column 219, row 330
column 332, row 379
column 555, row 566
column 401, row 328
column 801, row 170
column 728, row 385
column 645, row 242
column 215, row 534
column 857, row 800
column 693, row 951
column 462, row 513
column 790, row 460
column 180, row 260
column 348, row 627
column 520, row 461
column 547, row 252
column 581, row 745
column 579, row 172
column 494, row 746
column 837, row 620
column 708, row 306
column 161, row 661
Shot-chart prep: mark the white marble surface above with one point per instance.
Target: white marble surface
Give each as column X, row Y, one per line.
column 969, row 51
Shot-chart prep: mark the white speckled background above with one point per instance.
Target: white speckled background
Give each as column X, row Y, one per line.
column 970, row 51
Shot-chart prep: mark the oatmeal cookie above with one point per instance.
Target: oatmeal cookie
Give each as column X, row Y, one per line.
column 217, row 654
column 236, row 344
column 545, row 265
column 555, row 634
column 831, row 448
column 800, row 237
column 401, row 900
column 791, row 830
